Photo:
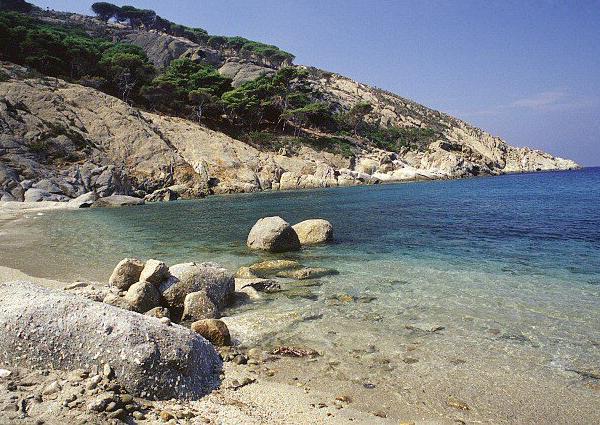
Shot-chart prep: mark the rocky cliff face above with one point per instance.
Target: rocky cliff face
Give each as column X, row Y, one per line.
column 461, row 149
column 60, row 140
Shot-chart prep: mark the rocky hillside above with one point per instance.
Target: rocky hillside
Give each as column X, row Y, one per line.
column 60, row 139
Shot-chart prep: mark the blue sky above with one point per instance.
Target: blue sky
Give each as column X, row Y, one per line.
column 526, row 71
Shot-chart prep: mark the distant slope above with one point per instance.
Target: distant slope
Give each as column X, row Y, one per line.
column 64, row 139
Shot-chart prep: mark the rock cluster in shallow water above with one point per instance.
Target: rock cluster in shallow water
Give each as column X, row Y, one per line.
column 274, row 234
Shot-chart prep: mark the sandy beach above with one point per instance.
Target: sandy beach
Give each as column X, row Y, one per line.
column 262, row 401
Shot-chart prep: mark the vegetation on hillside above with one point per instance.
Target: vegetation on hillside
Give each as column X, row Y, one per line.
column 272, row 111
column 148, row 19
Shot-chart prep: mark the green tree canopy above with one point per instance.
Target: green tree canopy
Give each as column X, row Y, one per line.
column 104, row 10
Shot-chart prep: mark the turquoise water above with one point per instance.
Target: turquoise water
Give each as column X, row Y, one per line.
column 508, row 266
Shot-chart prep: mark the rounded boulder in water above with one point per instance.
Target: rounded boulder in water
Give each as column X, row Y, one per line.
column 273, row 234
column 314, row 231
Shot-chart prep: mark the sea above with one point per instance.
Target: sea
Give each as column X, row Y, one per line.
column 473, row 300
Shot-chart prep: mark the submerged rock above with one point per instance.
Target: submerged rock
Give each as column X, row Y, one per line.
column 45, row 328
column 314, row 231
column 300, row 292
column 307, row 273
column 273, row 234
column 258, row 284
column 244, row 272
column 214, row 330
column 271, row 267
column 126, row 273
column 117, row 201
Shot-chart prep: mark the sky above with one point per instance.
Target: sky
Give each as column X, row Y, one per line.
column 528, row 72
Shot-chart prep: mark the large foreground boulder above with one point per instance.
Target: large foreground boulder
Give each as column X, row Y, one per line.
column 47, row 328
column 273, row 234
column 315, row 231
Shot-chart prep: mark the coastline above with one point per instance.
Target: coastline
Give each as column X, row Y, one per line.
column 263, row 401
column 252, row 395
column 8, row 208
column 258, row 400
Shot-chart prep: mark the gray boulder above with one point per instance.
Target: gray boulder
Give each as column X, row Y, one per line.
column 84, row 201
column 197, row 305
column 155, row 272
column 115, row 201
column 162, row 195
column 314, row 231
column 44, row 328
column 6, row 196
column 126, row 273
column 217, row 282
column 26, row 184
column 142, row 297
column 273, row 234
column 37, row 195
column 49, row 186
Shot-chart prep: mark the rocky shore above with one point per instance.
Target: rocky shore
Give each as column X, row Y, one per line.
column 147, row 346
column 67, row 142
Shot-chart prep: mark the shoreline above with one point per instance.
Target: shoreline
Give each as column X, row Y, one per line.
column 252, row 395
column 258, row 400
column 8, row 207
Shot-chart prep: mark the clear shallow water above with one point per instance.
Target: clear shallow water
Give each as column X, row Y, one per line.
column 509, row 266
